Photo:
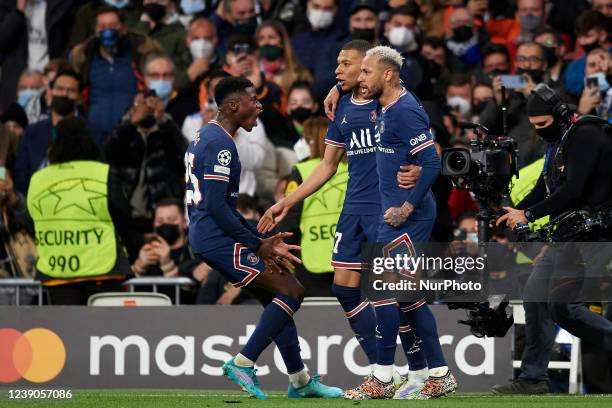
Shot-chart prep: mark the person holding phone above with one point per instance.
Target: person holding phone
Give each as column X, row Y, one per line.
column 596, row 96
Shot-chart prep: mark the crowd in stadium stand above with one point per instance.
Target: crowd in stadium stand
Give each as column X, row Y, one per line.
column 128, row 83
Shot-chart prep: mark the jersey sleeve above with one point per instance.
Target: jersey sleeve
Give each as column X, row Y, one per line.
column 216, row 164
column 414, row 128
column 333, row 136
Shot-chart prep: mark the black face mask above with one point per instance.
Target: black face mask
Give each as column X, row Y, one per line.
column 550, row 55
column 169, row 232
column 62, row 105
column 366, row 34
column 155, row 11
column 536, row 75
column 247, row 27
column 300, row 114
column 550, row 133
column 462, row 34
column 590, row 47
column 479, row 107
column 147, row 122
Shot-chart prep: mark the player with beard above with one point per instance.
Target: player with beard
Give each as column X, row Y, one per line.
column 403, row 138
column 222, row 238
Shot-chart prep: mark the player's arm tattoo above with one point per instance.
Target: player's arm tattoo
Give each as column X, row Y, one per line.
column 396, row 216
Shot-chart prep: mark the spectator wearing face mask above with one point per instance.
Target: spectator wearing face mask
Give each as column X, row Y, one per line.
column 37, row 108
column 188, row 9
column 166, row 251
column 234, row 17
column 145, row 153
column 85, row 18
column 276, row 56
column 159, row 22
column 464, row 41
column 459, row 96
column 159, row 77
column 14, row 120
column 530, row 16
column 301, row 105
column 591, row 33
column 433, row 50
column 32, row 150
column 482, row 93
column 531, row 65
column 320, row 32
column 30, row 86
column 554, row 52
column 110, row 64
column 31, row 33
column 596, row 97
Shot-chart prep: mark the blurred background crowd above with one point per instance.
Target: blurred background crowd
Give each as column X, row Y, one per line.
column 128, row 83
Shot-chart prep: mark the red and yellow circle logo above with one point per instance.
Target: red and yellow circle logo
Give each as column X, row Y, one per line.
column 38, row 355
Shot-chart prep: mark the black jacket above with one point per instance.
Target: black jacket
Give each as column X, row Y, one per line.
column 14, row 41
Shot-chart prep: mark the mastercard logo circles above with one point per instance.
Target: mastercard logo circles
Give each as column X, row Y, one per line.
column 37, row 355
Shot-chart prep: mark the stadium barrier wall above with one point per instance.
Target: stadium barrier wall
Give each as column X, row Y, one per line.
column 185, row 347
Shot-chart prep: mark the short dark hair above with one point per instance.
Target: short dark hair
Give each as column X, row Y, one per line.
column 103, row 9
column 434, row 41
column 551, row 31
column 492, row 48
column 171, row 201
column 459, row 80
column 69, row 73
column 230, row 85
column 73, row 142
column 361, row 46
column 238, row 39
column 245, row 202
column 304, row 85
column 408, row 9
column 590, row 20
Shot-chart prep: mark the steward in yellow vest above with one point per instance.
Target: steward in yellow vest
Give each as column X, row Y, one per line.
column 74, row 232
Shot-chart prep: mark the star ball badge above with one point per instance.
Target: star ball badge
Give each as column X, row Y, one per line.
column 224, row 157
column 373, row 116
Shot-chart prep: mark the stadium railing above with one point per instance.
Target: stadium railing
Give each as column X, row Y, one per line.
column 129, row 299
column 17, row 284
column 156, row 281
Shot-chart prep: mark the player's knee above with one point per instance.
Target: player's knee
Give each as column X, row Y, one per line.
column 295, row 291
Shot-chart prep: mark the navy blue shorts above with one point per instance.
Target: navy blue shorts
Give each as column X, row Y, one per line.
column 235, row 261
column 352, row 232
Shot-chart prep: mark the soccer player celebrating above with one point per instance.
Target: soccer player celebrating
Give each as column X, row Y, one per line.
column 227, row 242
column 403, row 137
column 353, row 132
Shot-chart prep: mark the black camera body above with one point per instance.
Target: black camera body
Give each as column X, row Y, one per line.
column 486, row 168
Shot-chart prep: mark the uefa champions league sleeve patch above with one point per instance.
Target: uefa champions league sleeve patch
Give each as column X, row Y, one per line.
column 224, row 157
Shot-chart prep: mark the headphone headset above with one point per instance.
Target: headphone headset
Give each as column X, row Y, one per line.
column 561, row 111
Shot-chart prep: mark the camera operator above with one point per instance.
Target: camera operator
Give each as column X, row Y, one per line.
column 575, row 177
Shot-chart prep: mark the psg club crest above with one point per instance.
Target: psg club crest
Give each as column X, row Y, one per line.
column 381, row 128
column 373, row 116
column 224, row 157
column 252, row 258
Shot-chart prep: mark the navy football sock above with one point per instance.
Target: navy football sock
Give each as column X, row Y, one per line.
column 289, row 347
column 273, row 320
column 411, row 344
column 387, row 326
column 423, row 323
column 361, row 317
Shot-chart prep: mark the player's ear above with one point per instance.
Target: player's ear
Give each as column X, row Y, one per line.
column 233, row 106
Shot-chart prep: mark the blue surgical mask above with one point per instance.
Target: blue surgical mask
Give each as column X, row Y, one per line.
column 162, row 87
column 191, row 7
column 117, row 3
column 24, row 96
column 109, row 37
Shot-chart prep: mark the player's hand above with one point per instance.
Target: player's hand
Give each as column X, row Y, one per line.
column 162, row 249
column 330, row 103
column 512, row 217
column 408, row 176
column 272, row 217
column 276, row 267
column 277, row 249
column 200, row 272
column 396, row 216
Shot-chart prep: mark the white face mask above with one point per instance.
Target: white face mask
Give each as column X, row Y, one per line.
column 320, row 19
column 301, row 149
column 460, row 103
column 401, row 36
column 201, row 48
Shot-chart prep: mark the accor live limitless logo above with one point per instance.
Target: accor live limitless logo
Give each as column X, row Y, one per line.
column 37, row 355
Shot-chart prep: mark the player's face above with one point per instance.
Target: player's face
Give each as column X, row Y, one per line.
column 249, row 109
column 371, row 79
column 349, row 66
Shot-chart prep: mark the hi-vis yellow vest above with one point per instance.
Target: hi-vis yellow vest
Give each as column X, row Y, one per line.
column 320, row 214
column 75, row 235
column 528, row 177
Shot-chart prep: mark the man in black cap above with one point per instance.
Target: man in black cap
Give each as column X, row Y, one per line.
column 576, row 176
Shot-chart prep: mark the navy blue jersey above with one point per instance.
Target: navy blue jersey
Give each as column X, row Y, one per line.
column 212, row 178
column 353, row 130
column 404, row 138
